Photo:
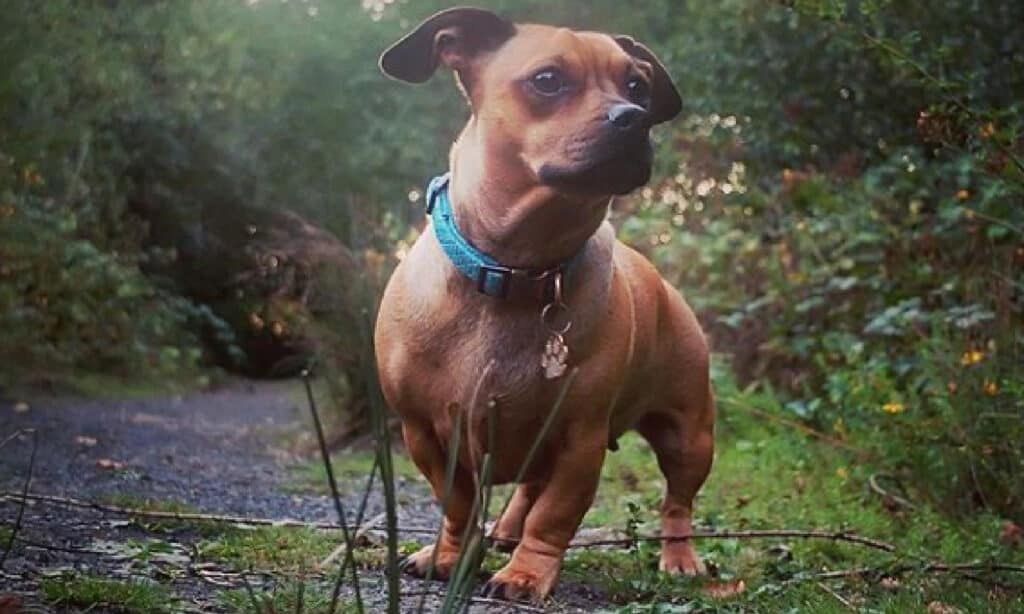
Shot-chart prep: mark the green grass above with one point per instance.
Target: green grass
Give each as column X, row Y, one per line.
column 768, row 476
column 162, row 525
column 351, row 468
column 279, row 550
column 93, row 592
column 316, row 599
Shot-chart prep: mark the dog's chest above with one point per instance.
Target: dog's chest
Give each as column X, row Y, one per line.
column 490, row 352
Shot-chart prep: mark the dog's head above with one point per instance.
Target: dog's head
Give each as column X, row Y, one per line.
column 573, row 108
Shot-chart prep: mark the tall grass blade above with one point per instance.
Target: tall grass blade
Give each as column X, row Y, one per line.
column 338, row 506
column 382, row 437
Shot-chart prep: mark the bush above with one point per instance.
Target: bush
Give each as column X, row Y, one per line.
column 852, row 230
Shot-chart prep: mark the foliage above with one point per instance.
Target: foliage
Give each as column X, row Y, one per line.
column 847, row 215
column 842, row 203
column 767, row 474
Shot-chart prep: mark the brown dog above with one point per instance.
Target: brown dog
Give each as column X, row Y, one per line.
column 560, row 123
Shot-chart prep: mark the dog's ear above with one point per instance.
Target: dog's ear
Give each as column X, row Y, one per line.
column 454, row 37
column 665, row 100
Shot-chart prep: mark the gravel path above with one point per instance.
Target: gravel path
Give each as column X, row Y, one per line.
column 225, row 451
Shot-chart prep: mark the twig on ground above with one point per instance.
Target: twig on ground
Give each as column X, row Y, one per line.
column 24, row 494
column 165, row 515
column 185, row 516
column 840, row 598
column 886, row 495
column 751, row 534
column 935, row 567
column 13, row 436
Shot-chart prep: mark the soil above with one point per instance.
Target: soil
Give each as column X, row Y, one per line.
column 230, row 450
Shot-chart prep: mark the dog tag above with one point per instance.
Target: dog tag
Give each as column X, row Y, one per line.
column 555, row 357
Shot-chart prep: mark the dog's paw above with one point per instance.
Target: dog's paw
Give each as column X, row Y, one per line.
column 419, row 564
column 680, row 558
column 517, row 586
column 527, row 577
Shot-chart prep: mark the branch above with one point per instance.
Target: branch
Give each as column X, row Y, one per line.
column 844, row 536
column 162, row 515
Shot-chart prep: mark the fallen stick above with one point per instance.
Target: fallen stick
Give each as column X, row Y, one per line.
column 164, row 515
column 197, row 517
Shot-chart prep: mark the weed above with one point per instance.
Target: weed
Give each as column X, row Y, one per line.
column 93, row 592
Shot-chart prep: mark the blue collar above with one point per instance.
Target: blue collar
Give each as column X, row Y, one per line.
column 491, row 277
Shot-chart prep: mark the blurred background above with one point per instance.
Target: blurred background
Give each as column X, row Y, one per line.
column 192, row 188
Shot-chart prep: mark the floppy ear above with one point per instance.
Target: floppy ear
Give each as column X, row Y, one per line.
column 665, row 100
column 454, row 37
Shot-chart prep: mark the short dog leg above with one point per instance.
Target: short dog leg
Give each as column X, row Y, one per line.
column 684, row 444
column 432, row 461
column 508, row 530
column 550, row 524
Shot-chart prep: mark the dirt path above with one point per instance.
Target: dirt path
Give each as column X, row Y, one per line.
column 222, row 451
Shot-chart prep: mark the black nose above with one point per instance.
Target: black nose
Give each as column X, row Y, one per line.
column 626, row 115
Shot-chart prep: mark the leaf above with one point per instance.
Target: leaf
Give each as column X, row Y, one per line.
column 725, row 590
column 1012, row 534
column 106, row 463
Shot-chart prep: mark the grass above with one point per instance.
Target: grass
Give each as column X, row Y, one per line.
column 278, row 550
column 160, row 525
column 316, row 599
column 767, row 476
column 93, row 592
column 351, row 468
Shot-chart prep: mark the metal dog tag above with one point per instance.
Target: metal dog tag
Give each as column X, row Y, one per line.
column 556, row 318
column 555, row 358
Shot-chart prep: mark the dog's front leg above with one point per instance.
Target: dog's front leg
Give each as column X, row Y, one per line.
column 551, row 522
column 431, row 459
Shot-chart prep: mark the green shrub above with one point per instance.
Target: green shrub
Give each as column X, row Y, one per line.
column 863, row 253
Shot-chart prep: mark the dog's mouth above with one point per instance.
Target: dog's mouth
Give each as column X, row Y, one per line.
column 613, row 169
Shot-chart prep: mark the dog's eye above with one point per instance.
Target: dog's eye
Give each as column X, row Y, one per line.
column 548, row 82
column 639, row 92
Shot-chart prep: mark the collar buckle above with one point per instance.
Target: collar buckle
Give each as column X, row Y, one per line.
column 490, row 271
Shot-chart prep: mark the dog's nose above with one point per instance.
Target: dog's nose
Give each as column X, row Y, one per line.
column 626, row 115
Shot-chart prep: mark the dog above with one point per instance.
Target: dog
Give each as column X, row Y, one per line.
column 518, row 294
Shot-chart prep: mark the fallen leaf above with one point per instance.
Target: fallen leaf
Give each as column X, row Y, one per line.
column 937, row 607
column 725, row 590
column 1012, row 534
column 83, row 440
column 20, row 407
column 10, row 604
column 113, row 465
